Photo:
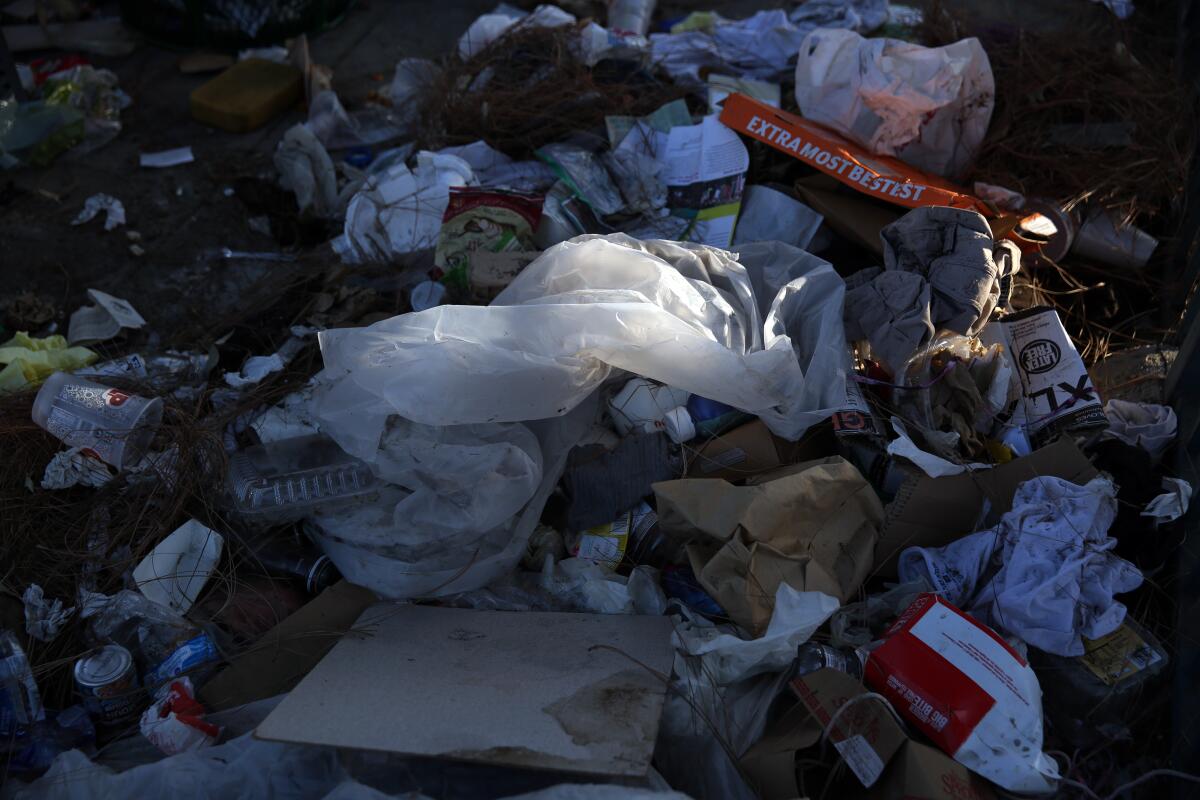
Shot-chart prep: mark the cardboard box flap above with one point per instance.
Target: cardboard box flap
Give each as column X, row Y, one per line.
column 932, row 512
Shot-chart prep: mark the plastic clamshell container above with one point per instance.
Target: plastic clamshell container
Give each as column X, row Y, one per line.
column 285, row 479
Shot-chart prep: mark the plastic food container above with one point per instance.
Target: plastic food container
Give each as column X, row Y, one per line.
column 115, row 426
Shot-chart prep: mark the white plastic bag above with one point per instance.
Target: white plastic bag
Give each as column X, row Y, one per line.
column 927, row 106
column 683, row 315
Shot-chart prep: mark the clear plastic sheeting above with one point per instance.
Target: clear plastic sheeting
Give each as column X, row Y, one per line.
column 928, row 106
column 683, row 315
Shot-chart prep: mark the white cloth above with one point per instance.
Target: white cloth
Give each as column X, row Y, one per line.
column 1056, row 576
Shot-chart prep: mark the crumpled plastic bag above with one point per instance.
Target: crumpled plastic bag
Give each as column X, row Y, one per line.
column 1172, row 503
column 681, row 314
column 760, row 46
column 1146, row 425
column 490, row 27
column 586, row 586
column 728, row 658
column 928, row 106
column 306, row 170
column 398, row 543
column 1045, row 574
column 240, row 769
column 399, row 211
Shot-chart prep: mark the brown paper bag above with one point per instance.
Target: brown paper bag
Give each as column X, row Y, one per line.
column 813, row 526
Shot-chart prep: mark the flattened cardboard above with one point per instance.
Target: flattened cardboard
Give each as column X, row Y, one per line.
column 874, row 746
column 857, row 218
column 289, row 650
column 752, row 449
column 932, row 512
column 527, row 689
column 921, row 772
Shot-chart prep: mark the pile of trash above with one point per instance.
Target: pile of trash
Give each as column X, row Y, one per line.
column 725, row 419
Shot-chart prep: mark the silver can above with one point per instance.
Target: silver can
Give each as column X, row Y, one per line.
column 108, row 684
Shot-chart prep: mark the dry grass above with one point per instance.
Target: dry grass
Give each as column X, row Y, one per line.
column 528, row 89
column 1046, row 79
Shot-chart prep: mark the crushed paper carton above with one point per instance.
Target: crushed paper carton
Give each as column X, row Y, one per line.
column 1057, row 393
column 960, row 684
column 887, row 763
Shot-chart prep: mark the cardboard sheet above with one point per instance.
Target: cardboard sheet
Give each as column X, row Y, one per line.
column 527, row 689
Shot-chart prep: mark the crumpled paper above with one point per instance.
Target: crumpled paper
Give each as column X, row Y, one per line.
column 890, row 309
column 30, row 361
column 928, row 106
column 44, row 619
column 1045, row 574
column 114, row 211
column 955, row 251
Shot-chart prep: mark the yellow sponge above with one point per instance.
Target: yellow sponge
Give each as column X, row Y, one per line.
column 247, row 95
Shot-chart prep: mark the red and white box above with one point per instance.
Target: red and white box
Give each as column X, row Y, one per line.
column 965, row 688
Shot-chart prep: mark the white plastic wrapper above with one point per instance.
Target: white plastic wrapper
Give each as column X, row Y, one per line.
column 930, row 107
column 399, row 211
